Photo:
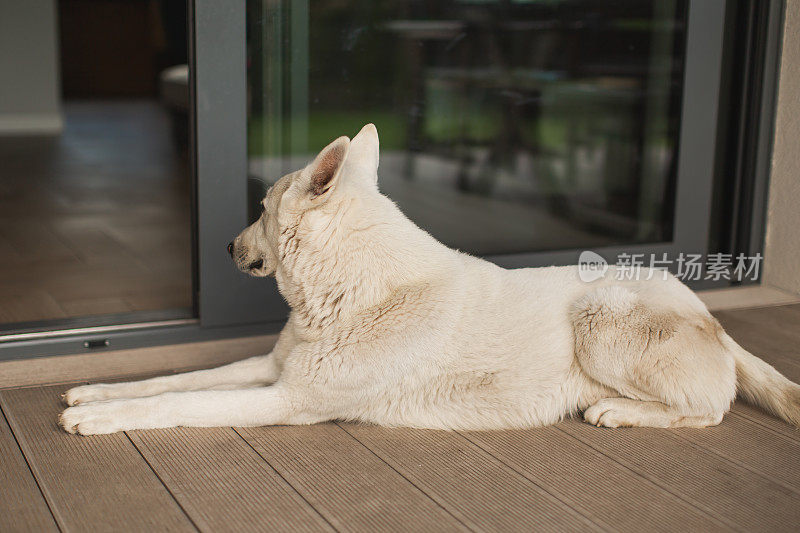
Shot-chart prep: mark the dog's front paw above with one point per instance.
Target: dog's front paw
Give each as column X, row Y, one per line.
column 87, row 393
column 91, row 419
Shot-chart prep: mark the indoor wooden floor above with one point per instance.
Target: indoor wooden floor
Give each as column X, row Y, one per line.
column 96, row 220
column 743, row 475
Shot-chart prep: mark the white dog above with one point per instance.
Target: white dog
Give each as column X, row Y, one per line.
column 390, row 326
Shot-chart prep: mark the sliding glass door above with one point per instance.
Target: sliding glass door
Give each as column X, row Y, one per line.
column 524, row 132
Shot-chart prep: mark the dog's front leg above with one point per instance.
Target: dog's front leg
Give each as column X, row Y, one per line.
column 259, row 370
column 278, row 404
column 256, row 371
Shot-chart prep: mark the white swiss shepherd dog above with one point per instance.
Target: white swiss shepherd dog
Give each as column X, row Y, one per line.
column 389, row 326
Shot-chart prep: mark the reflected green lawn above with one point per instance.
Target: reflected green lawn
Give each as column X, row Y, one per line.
column 324, row 126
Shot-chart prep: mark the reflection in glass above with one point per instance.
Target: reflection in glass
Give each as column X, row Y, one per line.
column 506, row 126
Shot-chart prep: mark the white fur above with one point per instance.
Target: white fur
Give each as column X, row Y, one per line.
column 390, row 326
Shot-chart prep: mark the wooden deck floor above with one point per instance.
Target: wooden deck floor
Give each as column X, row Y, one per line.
column 743, row 475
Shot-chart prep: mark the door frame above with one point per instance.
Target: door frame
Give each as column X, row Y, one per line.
column 226, row 296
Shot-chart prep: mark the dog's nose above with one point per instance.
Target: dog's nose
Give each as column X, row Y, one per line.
column 230, row 248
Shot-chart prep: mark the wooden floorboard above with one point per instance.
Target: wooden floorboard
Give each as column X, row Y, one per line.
column 599, row 487
column 96, row 484
column 751, row 441
column 774, row 342
column 729, row 492
column 222, row 483
column 767, row 421
column 742, row 475
column 345, row 482
column 22, row 506
column 780, row 321
column 773, row 334
column 471, row 484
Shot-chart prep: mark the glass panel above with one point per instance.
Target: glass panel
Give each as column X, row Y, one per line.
column 505, row 126
column 95, row 193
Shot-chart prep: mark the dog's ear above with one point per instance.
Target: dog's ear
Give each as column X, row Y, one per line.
column 322, row 175
column 362, row 161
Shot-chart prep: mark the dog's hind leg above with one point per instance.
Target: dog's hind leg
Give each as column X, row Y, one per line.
column 253, row 372
column 625, row 412
column 669, row 370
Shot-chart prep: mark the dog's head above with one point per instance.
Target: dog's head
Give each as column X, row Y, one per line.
column 342, row 170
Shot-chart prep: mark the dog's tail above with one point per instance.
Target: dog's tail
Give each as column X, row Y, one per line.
column 762, row 385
